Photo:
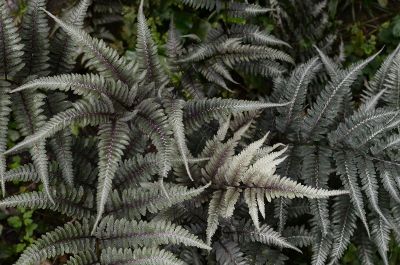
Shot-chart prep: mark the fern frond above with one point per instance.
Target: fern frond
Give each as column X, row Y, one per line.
column 315, row 173
column 281, row 212
column 70, row 201
column 267, row 235
column 85, row 85
column 23, row 173
column 232, row 172
column 392, row 85
column 151, row 119
column 388, row 143
column 113, row 140
column 196, row 112
column 83, row 258
column 243, row 10
column 63, row 51
column 387, row 176
column 252, row 34
column 298, row 236
column 147, row 52
column 5, row 102
column 380, row 78
column 61, row 145
column 174, row 45
column 229, row 252
column 370, row 183
column 71, row 238
column 106, row 60
column 83, row 112
column 136, row 202
column 40, row 160
column 136, row 170
column 214, row 208
column 328, row 102
column 354, row 126
column 11, row 52
column 331, row 67
column 295, row 93
column 344, row 220
column 148, row 256
column 346, row 167
column 365, row 249
column 175, row 117
column 123, row 233
column 371, row 135
column 321, row 249
column 232, row 51
column 197, row 4
column 380, row 233
column 34, row 34
column 220, row 153
column 11, row 48
column 274, row 186
column 28, row 111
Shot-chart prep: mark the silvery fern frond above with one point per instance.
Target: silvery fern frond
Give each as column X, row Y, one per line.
column 84, row 112
column 295, row 93
column 150, row 256
column 344, row 223
column 380, row 78
column 206, row 4
column 113, row 140
column 34, row 34
column 105, row 60
column 83, row 258
column 71, row 238
column 124, row 233
column 147, row 52
column 136, row 202
column 244, row 10
column 63, row 50
column 89, row 85
column 11, row 46
column 327, row 104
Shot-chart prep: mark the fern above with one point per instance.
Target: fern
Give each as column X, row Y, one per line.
column 160, row 172
column 113, row 140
